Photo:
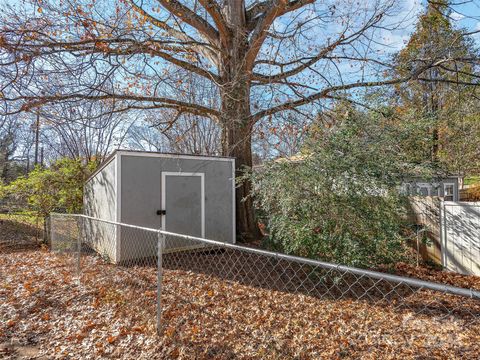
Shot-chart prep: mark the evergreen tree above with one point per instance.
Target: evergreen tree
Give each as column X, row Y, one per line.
column 430, row 99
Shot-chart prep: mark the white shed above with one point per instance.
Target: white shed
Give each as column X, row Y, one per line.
column 186, row 194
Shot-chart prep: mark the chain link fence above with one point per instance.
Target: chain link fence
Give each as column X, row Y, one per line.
column 22, row 230
column 23, row 226
column 171, row 283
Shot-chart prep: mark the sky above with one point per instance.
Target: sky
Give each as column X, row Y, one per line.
column 465, row 15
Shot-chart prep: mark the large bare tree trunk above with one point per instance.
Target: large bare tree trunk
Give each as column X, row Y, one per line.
column 237, row 141
column 239, row 146
column 235, row 115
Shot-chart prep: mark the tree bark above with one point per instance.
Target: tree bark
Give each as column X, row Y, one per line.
column 239, row 147
column 236, row 142
column 235, row 117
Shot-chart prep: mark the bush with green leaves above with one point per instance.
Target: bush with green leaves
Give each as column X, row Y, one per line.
column 340, row 202
column 59, row 186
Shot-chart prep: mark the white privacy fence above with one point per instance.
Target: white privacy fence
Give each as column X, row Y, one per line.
column 460, row 224
column 166, row 282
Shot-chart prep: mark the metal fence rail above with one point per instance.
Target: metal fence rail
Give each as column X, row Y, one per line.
column 140, row 267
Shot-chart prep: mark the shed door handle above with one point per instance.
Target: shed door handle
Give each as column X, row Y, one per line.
column 161, row 212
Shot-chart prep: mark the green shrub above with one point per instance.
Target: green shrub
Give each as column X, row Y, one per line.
column 59, row 186
column 340, row 202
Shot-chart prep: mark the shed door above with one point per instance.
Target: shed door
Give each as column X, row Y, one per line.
column 183, row 200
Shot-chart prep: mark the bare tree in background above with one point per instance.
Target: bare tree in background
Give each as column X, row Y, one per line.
column 194, row 135
column 88, row 130
column 281, row 135
column 186, row 132
column 142, row 136
column 167, row 130
column 190, row 134
column 17, row 140
column 264, row 58
column 9, row 133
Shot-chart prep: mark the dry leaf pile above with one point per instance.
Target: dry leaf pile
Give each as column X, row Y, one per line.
column 110, row 313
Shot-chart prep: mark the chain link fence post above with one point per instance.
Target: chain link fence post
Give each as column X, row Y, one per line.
column 160, row 244
column 79, row 246
column 52, row 231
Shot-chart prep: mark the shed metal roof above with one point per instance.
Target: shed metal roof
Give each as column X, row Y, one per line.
column 154, row 153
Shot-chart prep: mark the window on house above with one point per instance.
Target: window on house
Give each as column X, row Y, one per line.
column 448, row 190
column 423, row 189
column 405, row 189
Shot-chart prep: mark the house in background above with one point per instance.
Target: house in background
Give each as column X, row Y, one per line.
column 447, row 188
column 425, row 199
column 444, row 187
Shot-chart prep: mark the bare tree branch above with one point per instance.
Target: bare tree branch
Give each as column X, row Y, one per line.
column 157, row 102
column 191, row 18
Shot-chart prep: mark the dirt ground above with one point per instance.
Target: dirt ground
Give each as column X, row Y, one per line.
column 46, row 313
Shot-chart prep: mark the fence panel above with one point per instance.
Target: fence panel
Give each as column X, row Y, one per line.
column 461, row 232
column 21, row 230
column 177, row 283
column 129, row 286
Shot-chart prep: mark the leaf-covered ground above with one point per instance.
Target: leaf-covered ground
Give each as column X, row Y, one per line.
column 46, row 313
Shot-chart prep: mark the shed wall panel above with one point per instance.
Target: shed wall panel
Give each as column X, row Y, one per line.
column 100, row 196
column 141, row 197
